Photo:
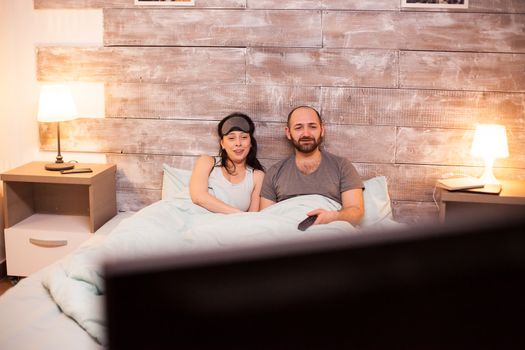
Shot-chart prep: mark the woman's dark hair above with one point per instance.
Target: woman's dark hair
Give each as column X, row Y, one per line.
column 251, row 159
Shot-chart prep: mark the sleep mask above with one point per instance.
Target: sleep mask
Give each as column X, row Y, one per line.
column 235, row 124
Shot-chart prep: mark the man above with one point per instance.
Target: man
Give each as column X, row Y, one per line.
column 314, row 171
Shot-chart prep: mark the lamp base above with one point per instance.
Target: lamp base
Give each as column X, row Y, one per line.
column 59, row 166
column 488, row 177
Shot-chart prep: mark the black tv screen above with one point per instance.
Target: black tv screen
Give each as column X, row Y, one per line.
column 440, row 287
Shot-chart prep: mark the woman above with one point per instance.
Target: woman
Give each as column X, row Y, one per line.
column 237, row 170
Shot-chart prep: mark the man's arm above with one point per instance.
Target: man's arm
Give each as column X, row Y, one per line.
column 352, row 211
column 264, row 203
column 268, row 189
column 353, row 206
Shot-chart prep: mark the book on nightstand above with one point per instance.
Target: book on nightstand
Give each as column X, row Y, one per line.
column 488, row 189
column 460, row 183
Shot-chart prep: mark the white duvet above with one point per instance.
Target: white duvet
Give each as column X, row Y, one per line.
column 174, row 226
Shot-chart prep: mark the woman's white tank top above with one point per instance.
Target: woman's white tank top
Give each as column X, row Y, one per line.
column 239, row 195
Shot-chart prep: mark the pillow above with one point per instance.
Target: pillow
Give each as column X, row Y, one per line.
column 376, row 201
column 175, row 183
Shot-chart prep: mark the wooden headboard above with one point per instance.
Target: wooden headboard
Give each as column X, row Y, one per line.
column 400, row 90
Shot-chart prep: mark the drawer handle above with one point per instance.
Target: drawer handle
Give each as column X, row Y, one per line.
column 47, row 243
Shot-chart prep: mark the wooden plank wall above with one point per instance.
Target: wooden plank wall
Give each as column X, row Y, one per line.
column 400, row 90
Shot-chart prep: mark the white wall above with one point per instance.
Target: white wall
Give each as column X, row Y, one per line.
column 21, row 29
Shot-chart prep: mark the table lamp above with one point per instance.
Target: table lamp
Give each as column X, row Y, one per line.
column 490, row 142
column 55, row 105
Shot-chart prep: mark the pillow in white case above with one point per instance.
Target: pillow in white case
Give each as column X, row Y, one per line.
column 376, row 200
column 175, row 183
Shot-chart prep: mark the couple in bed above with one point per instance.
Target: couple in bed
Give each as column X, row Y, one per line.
column 309, row 171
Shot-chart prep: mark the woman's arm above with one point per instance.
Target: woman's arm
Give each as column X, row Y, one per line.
column 258, row 177
column 199, row 188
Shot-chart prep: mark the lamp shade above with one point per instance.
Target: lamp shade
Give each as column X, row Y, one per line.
column 490, row 141
column 56, row 104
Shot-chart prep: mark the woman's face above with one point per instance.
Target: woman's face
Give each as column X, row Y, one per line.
column 237, row 144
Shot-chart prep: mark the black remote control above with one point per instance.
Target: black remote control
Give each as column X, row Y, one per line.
column 303, row 225
column 77, row 170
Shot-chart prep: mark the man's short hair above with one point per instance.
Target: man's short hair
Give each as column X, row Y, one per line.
column 296, row 108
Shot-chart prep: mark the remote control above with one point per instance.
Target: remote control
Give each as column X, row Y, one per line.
column 76, row 171
column 303, row 225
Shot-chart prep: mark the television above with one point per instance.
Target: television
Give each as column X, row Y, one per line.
column 424, row 287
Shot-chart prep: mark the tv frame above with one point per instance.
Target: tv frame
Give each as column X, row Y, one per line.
column 452, row 287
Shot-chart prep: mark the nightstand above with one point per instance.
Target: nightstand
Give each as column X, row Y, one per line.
column 48, row 214
column 462, row 205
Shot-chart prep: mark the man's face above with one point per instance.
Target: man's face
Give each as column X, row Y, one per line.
column 305, row 130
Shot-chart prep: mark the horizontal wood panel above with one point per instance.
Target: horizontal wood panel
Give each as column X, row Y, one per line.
column 365, row 106
column 452, row 147
column 139, row 171
column 70, row 4
column 416, row 182
column 286, row 28
column 145, row 171
column 415, row 213
column 422, row 108
column 462, row 71
column 142, row 64
column 405, row 182
column 326, row 4
column 183, row 137
column 322, row 67
column 279, row 4
column 501, row 6
column 369, row 144
column 136, row 199
column 173, row 101
column 424, row 31
column 410, row 186
column 132, row 136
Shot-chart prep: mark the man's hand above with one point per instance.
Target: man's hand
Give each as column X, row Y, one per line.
column 352, row 211
column 323, row 216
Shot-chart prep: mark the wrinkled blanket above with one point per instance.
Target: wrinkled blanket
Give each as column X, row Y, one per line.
column 76, row 283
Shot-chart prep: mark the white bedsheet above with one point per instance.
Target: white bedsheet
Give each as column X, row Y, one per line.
column 171, row 227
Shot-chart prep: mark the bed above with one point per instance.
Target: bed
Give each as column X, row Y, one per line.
column 61, row 306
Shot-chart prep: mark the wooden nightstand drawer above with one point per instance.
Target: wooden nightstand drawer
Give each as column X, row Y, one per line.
column 41, row 240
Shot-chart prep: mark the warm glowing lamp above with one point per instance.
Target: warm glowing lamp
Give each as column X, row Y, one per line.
column 55, row 105
column 490, row 142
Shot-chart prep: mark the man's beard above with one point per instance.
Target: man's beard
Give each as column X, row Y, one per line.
column 308, row 147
